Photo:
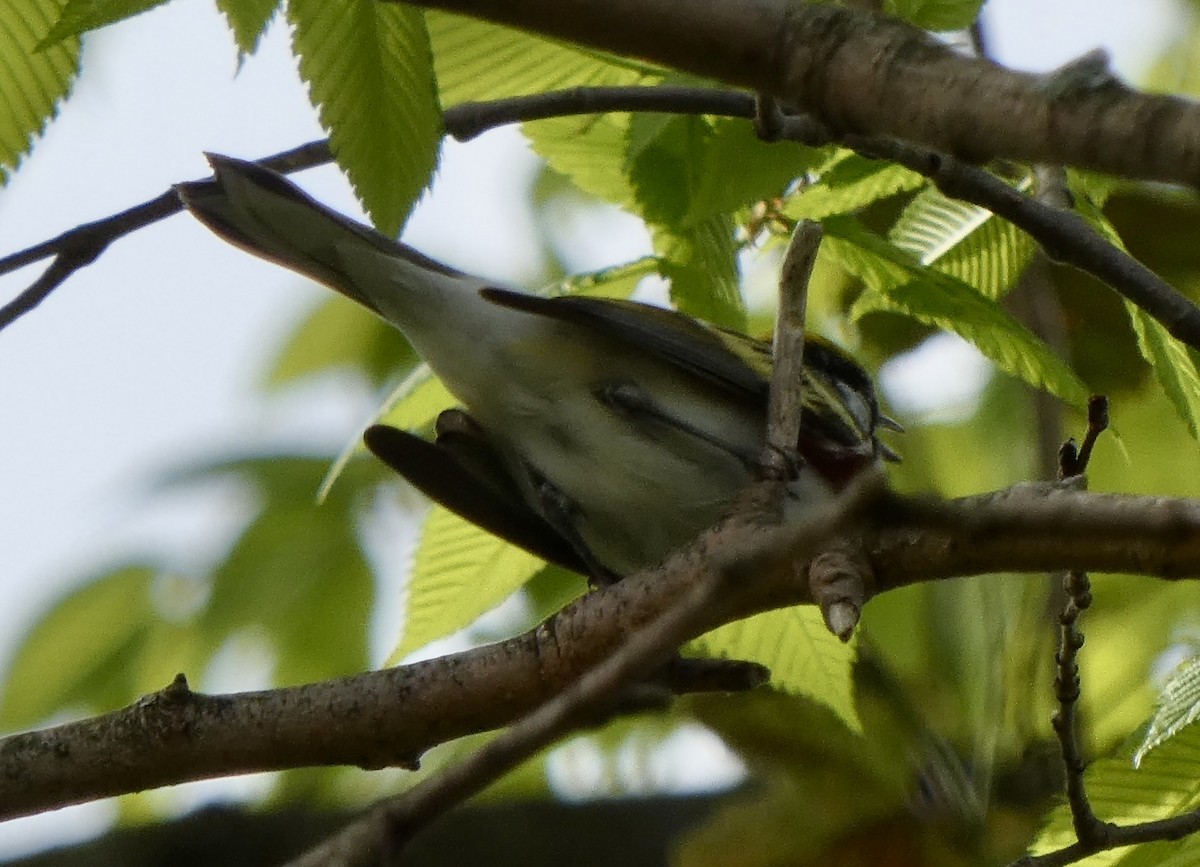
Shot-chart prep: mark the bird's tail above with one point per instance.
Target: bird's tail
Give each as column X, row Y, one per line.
column 265, row 214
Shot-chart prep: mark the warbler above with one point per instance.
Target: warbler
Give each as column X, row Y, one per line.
column 595, row 433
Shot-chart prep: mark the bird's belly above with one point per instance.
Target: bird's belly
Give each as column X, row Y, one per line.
column 637, row 499
column 634, row 491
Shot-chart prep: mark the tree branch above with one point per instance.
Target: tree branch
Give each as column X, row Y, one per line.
column 390, row 826
column 786, row 399
column 1092, row 833
column 81, row 246
column 1036, row 527
column 1065, row 235
column 903, row 82
column 1089, row 830
column 388, row 718
column 1174, row 828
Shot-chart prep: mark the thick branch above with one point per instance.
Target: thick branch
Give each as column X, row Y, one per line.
column 391, row 825
column 1063, row 234
column 1036, row 527
column 390, row 717
column 865, row 73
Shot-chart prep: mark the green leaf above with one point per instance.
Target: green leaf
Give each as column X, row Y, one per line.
column 297, row 574
column 1175, row 366
column 370, row 75
column 339, row 334
column 413, row 405
column 898, row 283
column 848, row 183
column 736, row 168
column 671, row 170
column 460, row 573
column 248, row 19
column 171, row 646
column 662, row 153
column 1178, row 707
column 31, row 81
column 805, row 658
column 417, row 401
column 80, row 16
column 701, row 263
column 483, row 61
column 308, row 786
column 1178, row 853
column 688, row 169
column 477, row 61
column 590, row 151
column 552, row 589
column 805, row 762
column 1091, row 190
column 935, row 14
column 1166, row 784
column 82, row 651
column 671, row 165
column 619, row 281
column 963, row 240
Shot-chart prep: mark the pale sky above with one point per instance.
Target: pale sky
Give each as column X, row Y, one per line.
column 150, row 357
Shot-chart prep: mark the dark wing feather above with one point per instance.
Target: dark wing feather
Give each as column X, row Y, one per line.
column 838, row 427
column 447, row 475
column 694, row 347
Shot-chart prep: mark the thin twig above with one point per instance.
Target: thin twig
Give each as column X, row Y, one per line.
column 1097, row 424
column 467, row 120
column 1116, row 836
column 82, row 245
column 1064, row 235
column 786, row 400
column 1089, row 829
column 838, row 577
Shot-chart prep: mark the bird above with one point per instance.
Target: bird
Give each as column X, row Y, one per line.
column 598, row 434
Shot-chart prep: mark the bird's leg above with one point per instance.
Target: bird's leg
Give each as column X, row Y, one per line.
column 557, row 508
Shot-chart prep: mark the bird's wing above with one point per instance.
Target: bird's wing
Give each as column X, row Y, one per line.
column 463, row 472
column 692, row 346
column 842, row 414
